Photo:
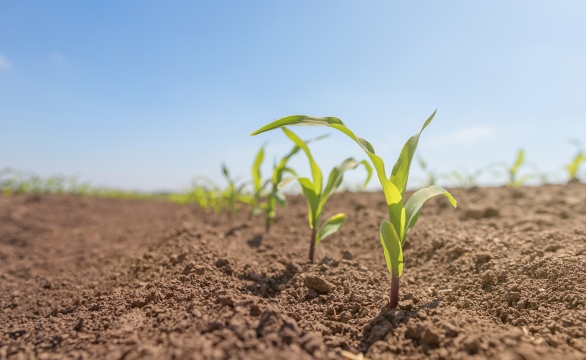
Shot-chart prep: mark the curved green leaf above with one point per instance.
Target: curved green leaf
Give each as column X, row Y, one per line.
column 392, row 248
column 575, row 165
column 299, row 120
column 331, row 225
column 368, row 173
column 256, row 175
column 400, row 172
column 416, row 201
column 518, row 162
column 286, row 181
column 312, row 200
column 315, row 170
column 225, row 172
column 392, row 195
column 337, row 175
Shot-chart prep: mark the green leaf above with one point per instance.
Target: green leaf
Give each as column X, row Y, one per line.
column 225, row 172
column 256, row 175
column 392, row 195
column 392, row 248
column 299, row 120
column 368, row 173
column 575, row 165
column 315, row 170
column 286, row 181
column 520, row 160
column 331, row 225
column 280, row 197
column 400, row 172
column 337, row 176
column 312, row 200
column 416, row 201
column 290, row 171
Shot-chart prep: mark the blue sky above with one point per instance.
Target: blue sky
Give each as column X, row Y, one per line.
column 148, row 94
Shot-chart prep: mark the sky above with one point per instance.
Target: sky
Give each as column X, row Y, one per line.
column 147, row 95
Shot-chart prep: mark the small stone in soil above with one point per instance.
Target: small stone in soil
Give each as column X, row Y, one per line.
column 318, row 285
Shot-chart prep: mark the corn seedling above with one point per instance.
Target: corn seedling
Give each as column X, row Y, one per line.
column 233, row 194
column 402, row 216
column 465, row 179
column 317, row 196
column 514, row 179
column 573, row 167
column 276, row 197
column 258, row 185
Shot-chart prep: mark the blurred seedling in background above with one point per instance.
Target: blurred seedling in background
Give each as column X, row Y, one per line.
column 16, row 181
column 203, row 193
column 464, row 178
column 512, row 171
column 316, row 195
column 430, row 175
column 402, row 216
column 233, row 195
column 257, row 183
column 574, row 166
column 544, row 177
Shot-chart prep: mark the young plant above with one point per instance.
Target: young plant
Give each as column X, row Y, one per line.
column 402, row 216
column 465, row 179
column 233, row 194
column 574, row 166
column 317, row 196
column 276, row 197
column 257, row 183
column 514, row 180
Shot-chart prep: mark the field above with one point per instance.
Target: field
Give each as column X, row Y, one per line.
column 502, row 276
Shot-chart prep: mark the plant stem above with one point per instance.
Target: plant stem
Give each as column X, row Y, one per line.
column 394, row 297
column 268, row 225
column 312, row 245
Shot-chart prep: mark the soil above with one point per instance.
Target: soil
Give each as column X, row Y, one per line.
column 503, row 276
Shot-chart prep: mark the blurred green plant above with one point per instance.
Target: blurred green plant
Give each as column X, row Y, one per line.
column 512, row 170
column 276, row 196
column 464, row 178
column 254, row 204
column 574, row 166
column 233, row 195
column 430, row 175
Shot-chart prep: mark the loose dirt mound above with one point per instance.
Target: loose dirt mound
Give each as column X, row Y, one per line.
column 503, row 276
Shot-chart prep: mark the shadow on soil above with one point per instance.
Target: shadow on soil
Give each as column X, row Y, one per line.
column 268, row 285
column 387, row 321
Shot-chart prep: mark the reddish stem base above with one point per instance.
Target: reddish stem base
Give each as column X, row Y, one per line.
column 394, row 296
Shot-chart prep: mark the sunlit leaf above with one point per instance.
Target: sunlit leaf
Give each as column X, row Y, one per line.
column 329, row 227
column 392, row 248
column 416, row 201
column 400, row 172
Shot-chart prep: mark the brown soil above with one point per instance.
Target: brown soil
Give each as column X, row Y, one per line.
column 503, row 276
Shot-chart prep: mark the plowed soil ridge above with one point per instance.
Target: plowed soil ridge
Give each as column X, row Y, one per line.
column 502, row 276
